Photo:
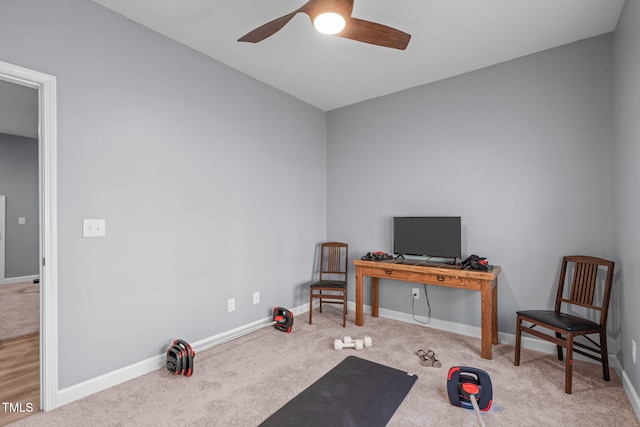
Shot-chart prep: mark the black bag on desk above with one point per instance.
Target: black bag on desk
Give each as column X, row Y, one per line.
column 376, row 256
column 474, row 262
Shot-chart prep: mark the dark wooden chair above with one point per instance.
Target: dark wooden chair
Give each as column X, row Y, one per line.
column 587, row 290
column 331, row 288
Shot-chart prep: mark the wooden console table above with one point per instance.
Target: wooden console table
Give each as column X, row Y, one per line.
column 442, row 275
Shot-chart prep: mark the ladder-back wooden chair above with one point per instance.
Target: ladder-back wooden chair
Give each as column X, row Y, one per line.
column 586, row 289
column 331, row 288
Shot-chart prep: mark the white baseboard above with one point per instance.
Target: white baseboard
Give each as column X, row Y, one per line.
column 626, row 384
column 151, row 364
column 242, row 330
column 12, row 280
column 110, row 379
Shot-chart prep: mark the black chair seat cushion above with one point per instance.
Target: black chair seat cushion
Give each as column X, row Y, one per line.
column 560, row 320
column 337, row 284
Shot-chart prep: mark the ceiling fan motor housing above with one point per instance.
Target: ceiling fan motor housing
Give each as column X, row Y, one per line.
column 317, row 7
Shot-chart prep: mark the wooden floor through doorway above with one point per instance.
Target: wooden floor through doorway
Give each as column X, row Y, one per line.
column 19, row 378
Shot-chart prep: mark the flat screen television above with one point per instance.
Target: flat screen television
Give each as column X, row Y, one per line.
column 430, row 236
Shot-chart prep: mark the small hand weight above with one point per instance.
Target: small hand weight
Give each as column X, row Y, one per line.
column 349, row 343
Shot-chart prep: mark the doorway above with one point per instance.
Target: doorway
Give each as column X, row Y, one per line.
column 47, row 149
column 19, row 253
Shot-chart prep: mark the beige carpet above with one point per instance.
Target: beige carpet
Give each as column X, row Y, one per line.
column 19, row 310
column 242, row 382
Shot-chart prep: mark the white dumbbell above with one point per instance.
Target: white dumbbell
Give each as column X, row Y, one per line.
column 349, row 343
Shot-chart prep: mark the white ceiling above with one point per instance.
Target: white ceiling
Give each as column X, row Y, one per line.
column 449, row 37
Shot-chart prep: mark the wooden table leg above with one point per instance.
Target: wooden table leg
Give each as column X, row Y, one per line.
column 494, row 312
column 359, row 297
column 375, row 297
column 486, row 301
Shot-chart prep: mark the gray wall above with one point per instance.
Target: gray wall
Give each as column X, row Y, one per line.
column 211, row 183
column 627, row 176
column 18, row 110
column 521, row 151
column 19, row 182
column 207, row 177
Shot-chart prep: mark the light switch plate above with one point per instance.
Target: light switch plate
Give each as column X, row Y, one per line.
column 94, row 228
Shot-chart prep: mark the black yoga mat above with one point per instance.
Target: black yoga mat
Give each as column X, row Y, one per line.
column 357, row 392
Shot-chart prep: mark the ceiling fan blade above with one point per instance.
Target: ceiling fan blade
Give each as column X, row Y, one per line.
column 372, row 33
column 268, row 29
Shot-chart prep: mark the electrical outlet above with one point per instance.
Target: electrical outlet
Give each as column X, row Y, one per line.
column 633, row 351
column 93, row 228
column 415, row 293
column 256, row 297
column 231, row 304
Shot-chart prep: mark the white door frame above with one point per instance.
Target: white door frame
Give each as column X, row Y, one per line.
column 47, row 152
column 3, row 219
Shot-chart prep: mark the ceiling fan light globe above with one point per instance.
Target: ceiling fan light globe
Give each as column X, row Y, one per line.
column 329, row 23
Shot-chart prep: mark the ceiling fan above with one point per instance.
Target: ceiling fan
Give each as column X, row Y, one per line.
column 334, row 17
